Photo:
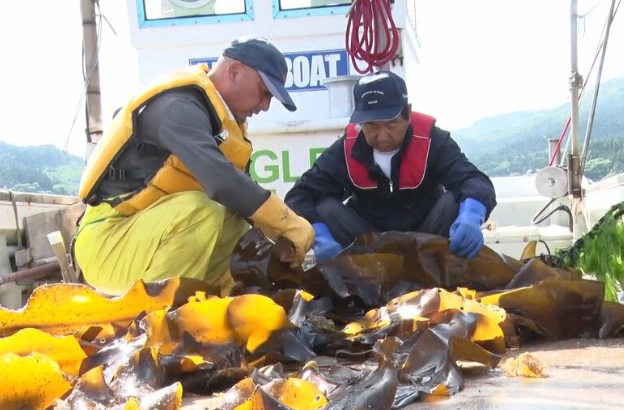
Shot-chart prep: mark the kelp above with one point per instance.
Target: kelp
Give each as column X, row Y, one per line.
column 64, row 351
column 288, row 393
column 247, row 320
column 524, row 365
column 399, row 372
column 398, row 315
column 31, row 382
column 135, row 384
column 559, row 309
column 61, row 309
column 420, row 310
column 377, row 267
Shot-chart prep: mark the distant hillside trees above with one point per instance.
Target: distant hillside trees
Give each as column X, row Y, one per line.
column 606, row 158
column 517, row 143
column 42, row 169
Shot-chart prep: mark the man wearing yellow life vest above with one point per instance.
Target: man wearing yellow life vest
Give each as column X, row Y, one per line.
column 167, row 187
column 396, row 171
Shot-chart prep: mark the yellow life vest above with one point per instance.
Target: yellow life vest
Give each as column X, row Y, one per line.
column 174, row 176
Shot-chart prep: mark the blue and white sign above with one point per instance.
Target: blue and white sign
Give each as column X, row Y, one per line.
column 306, row 71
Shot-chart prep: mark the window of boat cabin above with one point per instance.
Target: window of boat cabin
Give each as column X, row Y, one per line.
column 155, row 13
column 304, row 8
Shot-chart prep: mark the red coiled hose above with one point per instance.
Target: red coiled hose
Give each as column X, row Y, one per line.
column 371, row 23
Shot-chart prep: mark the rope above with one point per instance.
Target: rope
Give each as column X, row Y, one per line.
column 567, row 125
column 372, row 36
column 592, row 110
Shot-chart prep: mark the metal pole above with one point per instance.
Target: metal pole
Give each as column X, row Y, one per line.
column 576, row 81
column 90, row 43
column 592, row 110
column 31, row 274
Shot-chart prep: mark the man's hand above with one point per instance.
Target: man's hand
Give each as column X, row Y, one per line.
column 275, row 219
column 325, row 246
column 465, row 234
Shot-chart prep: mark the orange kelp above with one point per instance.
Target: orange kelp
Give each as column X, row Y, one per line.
column 61, row 309
column 31, row 382
column 65, row 351
column 390, row 320
column 247, row 320
column 168, row 346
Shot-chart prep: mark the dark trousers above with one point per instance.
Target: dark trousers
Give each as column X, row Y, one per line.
column 346, row 225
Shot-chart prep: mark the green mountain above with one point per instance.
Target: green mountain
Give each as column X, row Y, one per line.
column 43, row 168
column 516, row 143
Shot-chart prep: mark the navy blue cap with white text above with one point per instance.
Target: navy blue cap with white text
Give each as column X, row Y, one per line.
column 259, row 54
column 378, row 97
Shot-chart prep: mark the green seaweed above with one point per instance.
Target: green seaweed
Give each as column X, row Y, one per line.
column 600, row 252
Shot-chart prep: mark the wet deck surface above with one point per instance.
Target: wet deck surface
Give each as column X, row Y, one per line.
column 583, row 374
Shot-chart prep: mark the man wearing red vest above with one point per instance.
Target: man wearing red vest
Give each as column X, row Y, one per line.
column 392, row 170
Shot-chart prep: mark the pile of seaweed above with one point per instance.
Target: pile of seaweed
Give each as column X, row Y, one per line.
column 393, row 319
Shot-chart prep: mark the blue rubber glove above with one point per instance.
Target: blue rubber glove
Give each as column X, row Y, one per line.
column 465, row 234
column 325, row 246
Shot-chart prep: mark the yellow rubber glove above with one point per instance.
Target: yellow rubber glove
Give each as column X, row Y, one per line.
column 275, row 219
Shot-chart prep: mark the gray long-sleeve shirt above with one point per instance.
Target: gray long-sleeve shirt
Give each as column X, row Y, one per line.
column 180, row 122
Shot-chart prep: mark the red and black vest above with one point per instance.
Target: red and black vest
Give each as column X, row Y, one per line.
column 413, row 158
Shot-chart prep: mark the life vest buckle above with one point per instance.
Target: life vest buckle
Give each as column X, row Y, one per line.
column 222, row 136
column 116, row 173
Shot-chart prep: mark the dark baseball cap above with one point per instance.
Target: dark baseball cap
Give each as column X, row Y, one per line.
column 259, row 54
column 378, row 97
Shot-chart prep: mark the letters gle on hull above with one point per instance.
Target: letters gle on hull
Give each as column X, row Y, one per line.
column 306, row 71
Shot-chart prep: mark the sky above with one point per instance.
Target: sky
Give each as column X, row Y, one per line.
column 485, row 57
column 478, row 58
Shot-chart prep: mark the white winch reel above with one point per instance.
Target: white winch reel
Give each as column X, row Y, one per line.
column 552, row 182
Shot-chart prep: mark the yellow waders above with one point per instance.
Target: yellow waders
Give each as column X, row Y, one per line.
column 184, row 234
